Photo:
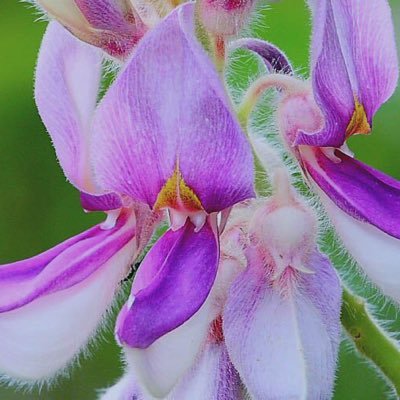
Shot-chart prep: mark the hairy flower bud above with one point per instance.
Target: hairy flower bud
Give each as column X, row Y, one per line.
column 225, row 17
column 284, row 228
column 112, row 25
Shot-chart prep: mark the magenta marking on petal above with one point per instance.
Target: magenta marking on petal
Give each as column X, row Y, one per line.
column 105, row 202
column 273, row 57
column 361, row 191
column 168, row 106
column 172, row 283
column 64, row 266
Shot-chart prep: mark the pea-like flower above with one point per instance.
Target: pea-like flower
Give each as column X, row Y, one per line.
column 354, row 71
column 162, row 138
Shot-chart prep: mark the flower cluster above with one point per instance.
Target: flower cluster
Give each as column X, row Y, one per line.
column 235, row 300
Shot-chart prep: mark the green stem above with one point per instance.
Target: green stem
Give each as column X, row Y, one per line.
column 370, row 340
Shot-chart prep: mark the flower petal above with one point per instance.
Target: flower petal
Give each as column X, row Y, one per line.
column 172, row 283
column 359, row 190
column 354, row 60
column 105, row 202
column 52, row 304
column 67, row 82
column 377, row 253
column 212, row 377
column 160, row 366
column 274, row 58
column 168, row 109
column 284, row 342
column 125, row 389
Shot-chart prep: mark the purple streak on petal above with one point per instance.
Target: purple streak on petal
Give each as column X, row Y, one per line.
column 354, row 55
column 169, row 106
column 171, row 285
column 67, row 81
column 274, row 58
column 105, row 202
column 60, row 268
column 273, row 333
column 359, row 190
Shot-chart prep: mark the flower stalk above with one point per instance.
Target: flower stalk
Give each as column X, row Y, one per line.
column 369, row 339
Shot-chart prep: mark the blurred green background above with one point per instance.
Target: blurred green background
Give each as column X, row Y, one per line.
column 40, row 209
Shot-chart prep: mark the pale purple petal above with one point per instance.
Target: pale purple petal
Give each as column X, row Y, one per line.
column 212, row 377
column 274, row 58
column 55, row 312
column 61, row 268
column 361, row 191
column 105, row 202
column 171, row 285
column 67, row 82
column 284, row 341
column 354, row 57
column 168, row 109
column 377, row 253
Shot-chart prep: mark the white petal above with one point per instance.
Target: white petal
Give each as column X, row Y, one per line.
column 124, row 389
column 39, row 339
column 377, row 253
column 160, row 366
column 213, row 377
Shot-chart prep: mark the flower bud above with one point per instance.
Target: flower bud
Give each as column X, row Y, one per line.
column 225, row 17
column 284, row 229
column 113, row 26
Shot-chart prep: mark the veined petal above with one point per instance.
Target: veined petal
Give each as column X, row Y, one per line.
column 354, row 66
column 171, row 285
column 168, row 111
column 67, row 82
column 377, row 253
column 359, row 190
column 212, row 377
column 284, row 342
column 50, row 305
column 105, row 202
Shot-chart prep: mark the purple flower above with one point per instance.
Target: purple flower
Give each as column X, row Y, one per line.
column 163, row 137
column 354, row 71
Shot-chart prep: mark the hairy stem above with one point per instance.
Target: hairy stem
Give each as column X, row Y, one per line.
column 370, row 340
